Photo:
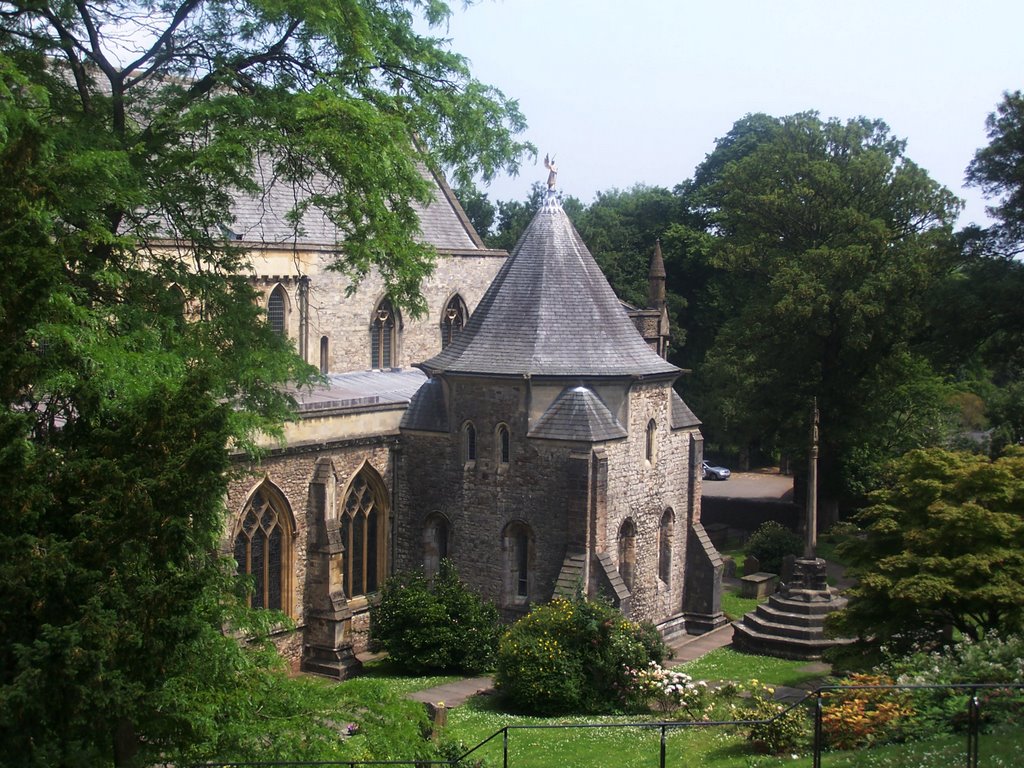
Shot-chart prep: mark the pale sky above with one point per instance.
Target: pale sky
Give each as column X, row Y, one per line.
column 638, row 91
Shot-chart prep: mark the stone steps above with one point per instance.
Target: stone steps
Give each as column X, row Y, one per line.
column 760, row 624
column 811, row 604
column 792, row 623
column 745, row 638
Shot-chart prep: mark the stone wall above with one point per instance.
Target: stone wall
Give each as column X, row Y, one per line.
column 290, row 473
column 642, row 491
column 480, row 498
column 545, row 485
column 345, row 320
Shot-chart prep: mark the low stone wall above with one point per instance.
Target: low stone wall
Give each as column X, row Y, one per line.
column 747, row 514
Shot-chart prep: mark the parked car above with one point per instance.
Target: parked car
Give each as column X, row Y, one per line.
column 714, row 472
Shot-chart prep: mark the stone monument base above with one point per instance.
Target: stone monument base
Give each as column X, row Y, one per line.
column 791, row 624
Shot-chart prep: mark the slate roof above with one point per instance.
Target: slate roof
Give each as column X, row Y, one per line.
column 261, row 218
column 682, row 416
column 428, row 410
column 578, row 414
column 550, row 312
column 360, row 389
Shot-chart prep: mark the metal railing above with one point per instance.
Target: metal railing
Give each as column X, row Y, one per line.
column 970, row 723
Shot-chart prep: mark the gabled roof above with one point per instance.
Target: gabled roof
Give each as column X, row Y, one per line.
column 578, row 414
column 262, row 218
column 682, row 416
column 550, row 312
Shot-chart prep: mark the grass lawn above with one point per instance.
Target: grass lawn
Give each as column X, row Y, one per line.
column 718, row 747
column 728, row 664
column 735, row 606
column 382, row 674
column 534, row 744
column 625, row 747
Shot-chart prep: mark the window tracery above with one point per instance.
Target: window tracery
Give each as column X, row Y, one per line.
column 262, row 550
column 363, row 515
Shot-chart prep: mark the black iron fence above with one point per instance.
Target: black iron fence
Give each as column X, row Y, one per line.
column 984, row 706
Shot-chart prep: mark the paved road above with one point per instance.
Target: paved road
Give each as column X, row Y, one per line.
column 751, row 485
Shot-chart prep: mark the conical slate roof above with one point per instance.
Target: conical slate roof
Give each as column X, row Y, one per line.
column 578, row 414
column 550, row 312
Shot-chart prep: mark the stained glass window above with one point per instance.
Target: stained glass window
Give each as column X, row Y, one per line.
column 362, row 521
column 665, row 546
column 261, row 551
column 518, row 559
column 276, row 310
column 627, row 553
column 469, row 441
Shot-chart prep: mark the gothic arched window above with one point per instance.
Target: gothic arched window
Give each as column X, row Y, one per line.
column 665, row 532
column 518, row 545
column 627, row 553
column 363, row 516
column 263, row 550
column 276, row 310
column 324, row 349
column 503, row 444
column 453, row 320
column 652, row 431
column 383, row 335
column 436, row 537
column 468, row 442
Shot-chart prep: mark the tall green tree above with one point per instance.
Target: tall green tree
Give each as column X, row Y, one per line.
column 826, row 238
column 999, row 170
column 126, row 130
column 977, row 317
column 942, row 545
column 620, row 228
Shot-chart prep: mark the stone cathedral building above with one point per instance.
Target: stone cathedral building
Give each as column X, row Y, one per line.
column 527, row 428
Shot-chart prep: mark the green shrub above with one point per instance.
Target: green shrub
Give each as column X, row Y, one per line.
column 438, row 627
column 782, row 729
column 573, row 656
column 770, row 543
column 992, row 659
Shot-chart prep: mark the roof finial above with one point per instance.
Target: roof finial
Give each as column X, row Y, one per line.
column 549, row 163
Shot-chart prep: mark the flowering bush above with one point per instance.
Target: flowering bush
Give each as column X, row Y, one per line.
column 782, row 730
column 992, row 659
column 669, row 691
column 858, row 718
column 571, row 656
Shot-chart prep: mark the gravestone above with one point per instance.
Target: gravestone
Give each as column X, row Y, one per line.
column 751, row 565
column 730, row 567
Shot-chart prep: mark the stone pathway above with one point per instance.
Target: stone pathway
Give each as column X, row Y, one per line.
column 454, row 694
column 690, row 647
column 684, row 648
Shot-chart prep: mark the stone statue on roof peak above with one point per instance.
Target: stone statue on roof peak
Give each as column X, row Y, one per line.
column 549, row 163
